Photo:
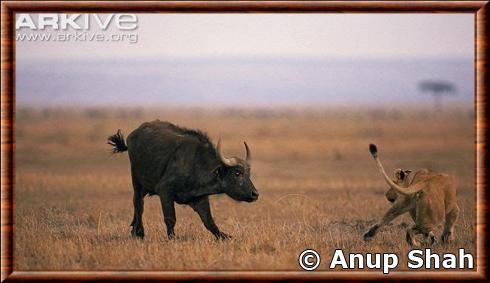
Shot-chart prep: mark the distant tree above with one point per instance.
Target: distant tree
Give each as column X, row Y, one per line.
column 438, row 90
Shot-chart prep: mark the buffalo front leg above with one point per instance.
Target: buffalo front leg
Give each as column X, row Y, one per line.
column 138, row 203
column 396, row 210
column 168, row 210
column 202, row 208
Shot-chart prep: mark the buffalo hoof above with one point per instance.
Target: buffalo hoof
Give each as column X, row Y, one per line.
column 171, row 236
column 222, row 236
column 138, row 232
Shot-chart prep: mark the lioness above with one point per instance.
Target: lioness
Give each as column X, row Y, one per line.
column 428, row 196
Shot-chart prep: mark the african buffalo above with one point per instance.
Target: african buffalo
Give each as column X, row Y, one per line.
column 183, row 166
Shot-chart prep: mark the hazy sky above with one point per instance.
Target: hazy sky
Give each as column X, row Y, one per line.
column 315, row 35
column 256, row 59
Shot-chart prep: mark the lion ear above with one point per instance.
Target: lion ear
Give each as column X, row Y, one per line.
column 397, row 173
column 402, row 175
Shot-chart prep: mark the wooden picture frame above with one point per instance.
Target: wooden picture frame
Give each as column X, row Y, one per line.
column 480, row 9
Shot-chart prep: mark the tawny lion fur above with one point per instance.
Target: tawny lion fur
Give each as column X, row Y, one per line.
column 428, row 196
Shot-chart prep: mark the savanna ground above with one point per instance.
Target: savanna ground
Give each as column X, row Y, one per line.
column 319, row 187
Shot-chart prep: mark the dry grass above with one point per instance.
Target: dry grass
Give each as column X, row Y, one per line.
column 319, row 187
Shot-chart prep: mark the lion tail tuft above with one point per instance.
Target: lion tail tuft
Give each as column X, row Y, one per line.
column 373, row 150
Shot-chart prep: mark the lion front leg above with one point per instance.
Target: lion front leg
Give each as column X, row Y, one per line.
column 410, row 236
column 429, row 237
column 396, row 210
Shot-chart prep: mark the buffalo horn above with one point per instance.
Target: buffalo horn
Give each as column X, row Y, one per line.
column 227, row 161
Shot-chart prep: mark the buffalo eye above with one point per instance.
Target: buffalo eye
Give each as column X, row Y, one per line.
column 238, row 173
column 216, row 172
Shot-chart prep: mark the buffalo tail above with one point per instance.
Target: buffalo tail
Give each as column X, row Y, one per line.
column 117, row 141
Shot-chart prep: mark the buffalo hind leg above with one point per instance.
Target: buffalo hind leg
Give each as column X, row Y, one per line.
column 138, row 203
column 451, row 218
column 202, row 208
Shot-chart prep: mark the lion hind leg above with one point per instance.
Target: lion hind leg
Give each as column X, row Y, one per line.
column 451, row 218
column 430, row 239
column 396, row 210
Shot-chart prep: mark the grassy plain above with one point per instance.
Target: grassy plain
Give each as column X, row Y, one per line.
column 319, row 187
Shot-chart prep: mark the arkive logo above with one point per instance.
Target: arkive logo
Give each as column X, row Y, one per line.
column 82, row 22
